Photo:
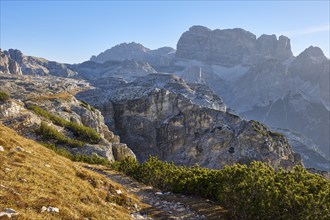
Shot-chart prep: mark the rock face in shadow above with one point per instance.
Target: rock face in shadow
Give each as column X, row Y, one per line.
column 174, row 122
column 126, row 69
column 230, row 47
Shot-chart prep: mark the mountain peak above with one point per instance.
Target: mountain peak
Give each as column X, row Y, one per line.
column 199, row 28
column 135, row 51
column 314, row 53
column 230, row 47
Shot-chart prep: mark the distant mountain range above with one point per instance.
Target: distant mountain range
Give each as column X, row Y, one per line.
column 257, row 77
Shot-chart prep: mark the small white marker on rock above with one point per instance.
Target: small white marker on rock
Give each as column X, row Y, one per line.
column 18, row 148
column 50, row 209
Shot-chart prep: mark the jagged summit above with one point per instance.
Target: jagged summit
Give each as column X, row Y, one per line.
column 15, row 62
column 230, row 47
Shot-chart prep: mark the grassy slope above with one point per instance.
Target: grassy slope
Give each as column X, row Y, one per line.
column 27, row 183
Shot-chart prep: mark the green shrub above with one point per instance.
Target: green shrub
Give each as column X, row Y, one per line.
column 94, row 159
column 82, row 132
column 48, row 132
column 249, row 192
column 86, row 105
column 4, row 96
column 55, row 119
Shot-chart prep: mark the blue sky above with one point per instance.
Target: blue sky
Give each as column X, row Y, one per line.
column 73, row 31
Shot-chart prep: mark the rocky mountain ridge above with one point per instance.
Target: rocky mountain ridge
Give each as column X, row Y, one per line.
column 161, row 120
column 230, row 47
column 135, row 51
column 127, row 69
column 14, row 62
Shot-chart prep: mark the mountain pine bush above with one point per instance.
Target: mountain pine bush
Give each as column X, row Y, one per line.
column 4, row 96
column 256, row 191
column 48, row 133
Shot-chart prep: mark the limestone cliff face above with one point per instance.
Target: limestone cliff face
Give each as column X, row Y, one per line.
column 15, row 114
column 160, row 121
column 230, row 47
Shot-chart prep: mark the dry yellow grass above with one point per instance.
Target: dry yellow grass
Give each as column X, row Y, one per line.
column 63, row 96
column 38, row 177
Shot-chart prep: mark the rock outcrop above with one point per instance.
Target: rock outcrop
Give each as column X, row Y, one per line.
column 14, row 62
column 58, row 101
column 9, row 64
column 170, row 120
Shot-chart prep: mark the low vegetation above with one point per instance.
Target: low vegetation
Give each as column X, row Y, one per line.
column 249, row 192
column 49, row 133
column 262, row 129
column 94, row 159
column 4, row 96
column 86, row 105
column 62, row 96
column 37, row 177
column 82, row 132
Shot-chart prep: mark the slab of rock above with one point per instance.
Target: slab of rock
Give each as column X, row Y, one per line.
column 7, row 212
column 50, row 209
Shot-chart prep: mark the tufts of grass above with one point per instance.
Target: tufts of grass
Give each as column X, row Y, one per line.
column 4, row 96
column 62, row 96
column 48, row 132
column 94, row 159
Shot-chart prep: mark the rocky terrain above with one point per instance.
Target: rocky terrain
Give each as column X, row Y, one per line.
column 55, row 95
column 162, row 115
column 258, row 77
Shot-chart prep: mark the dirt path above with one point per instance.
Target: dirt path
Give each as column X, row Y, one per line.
column 165, row 205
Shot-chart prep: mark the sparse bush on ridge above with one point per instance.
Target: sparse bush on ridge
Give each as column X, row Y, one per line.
column 249, row 192
column 88, row 106
column 82, row 132
column 94, row 159
column 48, row 132
column 4, row 96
